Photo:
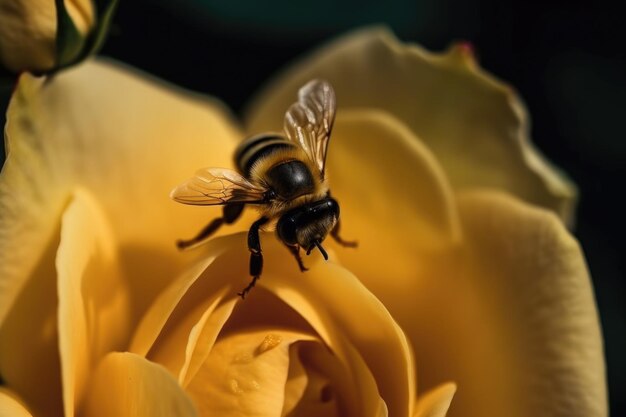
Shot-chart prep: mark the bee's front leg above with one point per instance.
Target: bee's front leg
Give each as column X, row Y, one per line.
column 231, row 213
column 295, row 251
column 256, row 257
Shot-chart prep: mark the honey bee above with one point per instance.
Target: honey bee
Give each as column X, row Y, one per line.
column 283, row 177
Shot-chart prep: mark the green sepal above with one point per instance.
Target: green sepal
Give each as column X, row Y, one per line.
column 72, row 46
column 70, row 42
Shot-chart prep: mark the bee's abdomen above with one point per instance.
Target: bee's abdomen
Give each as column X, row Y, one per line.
column 257, row 147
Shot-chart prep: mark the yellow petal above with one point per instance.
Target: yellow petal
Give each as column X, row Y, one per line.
column 27, row 34
column 124, row 137
column 125, row 384
column 341, row 325
column 435, row 403
column 11, row 406
column 344, row 313
column 163, row 307
column 386, row 180
column 510, row 317
column 177, row 344
column 201, row 339
column 93, row 301
column 245, row 374
column 474, row 124
column 29, row 356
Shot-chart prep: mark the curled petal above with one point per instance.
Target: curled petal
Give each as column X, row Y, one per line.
column 11, row 406
column 125, row 384
column 435, row 402
column 509, row 316
column 93, row 313
column 245, row 374
column 326, row 300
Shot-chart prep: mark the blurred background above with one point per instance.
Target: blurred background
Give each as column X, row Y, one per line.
column 566, row 59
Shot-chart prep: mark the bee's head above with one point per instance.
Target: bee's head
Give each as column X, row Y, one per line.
column 309, row 224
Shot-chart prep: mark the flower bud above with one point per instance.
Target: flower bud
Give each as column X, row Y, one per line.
column 28, row 31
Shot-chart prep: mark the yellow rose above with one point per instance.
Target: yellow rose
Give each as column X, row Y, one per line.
column 100, row 315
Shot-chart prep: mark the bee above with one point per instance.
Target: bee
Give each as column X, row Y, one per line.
column 283, row 176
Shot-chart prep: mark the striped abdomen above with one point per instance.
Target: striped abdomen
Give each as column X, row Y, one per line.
column 278, row 163
column 256, row 148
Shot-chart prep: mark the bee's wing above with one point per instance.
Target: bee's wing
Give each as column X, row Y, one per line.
column 214, row 186
column 308, row 121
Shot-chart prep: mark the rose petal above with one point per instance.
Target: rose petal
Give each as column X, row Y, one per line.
column 244, row 376
column 344, row 312
column 82, row 13
column 125, row 384
column 435, row 403
column 93, row 301
column 399, row 189
column 11, row 406
column 474, row 124
column 330, row 389
column 359, row 351
column 177, row 345
column 296, row 384
column 29, row 356
column 510, row 317
column 127, row 140
column 202, row 338
column 163, row 306
column 27, row 34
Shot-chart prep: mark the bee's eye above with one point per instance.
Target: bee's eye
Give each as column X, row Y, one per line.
column 286, row 229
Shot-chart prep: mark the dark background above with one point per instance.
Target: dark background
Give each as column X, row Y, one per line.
column 566, row 58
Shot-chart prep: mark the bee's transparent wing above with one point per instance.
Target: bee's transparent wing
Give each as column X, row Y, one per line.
column 309, row 121
column 214, row 186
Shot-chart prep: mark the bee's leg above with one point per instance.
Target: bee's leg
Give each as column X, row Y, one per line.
column 295, row 251
column 335, row 234
column 256, row 257
column 231, row 213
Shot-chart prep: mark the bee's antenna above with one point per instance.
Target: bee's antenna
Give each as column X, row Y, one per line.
column 324, row 254
column 322, row 251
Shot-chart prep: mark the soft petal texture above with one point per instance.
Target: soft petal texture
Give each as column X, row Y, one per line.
column 28, row 31
column 474, row 124
column 72, row 131
column 241, row 378
column 11, row 406
column 93, row 313
column 125, row 384
column 435, row 403
column 402, row 188
column 342, row 316
column 29, row 355
column 509, row 315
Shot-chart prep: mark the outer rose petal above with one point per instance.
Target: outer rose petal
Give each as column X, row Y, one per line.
column 93, row 314
column 474, row 124
column 127, row 385
column 509, row 316
column 85, row 316
column 28, row 30
column 75, row 130
column 10, row 406
column 435, row 403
